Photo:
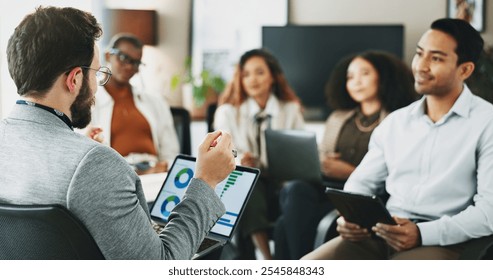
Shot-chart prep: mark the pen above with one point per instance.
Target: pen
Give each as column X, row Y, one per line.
column 235, row 152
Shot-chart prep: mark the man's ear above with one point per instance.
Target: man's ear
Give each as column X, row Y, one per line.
column 74, row 79
column 466, row 69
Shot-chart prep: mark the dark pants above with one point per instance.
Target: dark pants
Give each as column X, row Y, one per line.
column 261, row 212
column 302, row 207
column 377, row 249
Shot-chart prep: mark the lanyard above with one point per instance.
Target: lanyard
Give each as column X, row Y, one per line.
column 55, row 112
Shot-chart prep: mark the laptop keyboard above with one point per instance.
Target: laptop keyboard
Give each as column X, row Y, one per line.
column 206, row 244
column 157, row 228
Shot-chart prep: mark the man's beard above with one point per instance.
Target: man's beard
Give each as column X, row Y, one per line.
column 81, row 108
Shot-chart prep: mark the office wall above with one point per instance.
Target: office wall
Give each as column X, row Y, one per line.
column 167, row 57
column 415, row 15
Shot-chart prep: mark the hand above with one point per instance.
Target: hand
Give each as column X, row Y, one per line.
column 403, row 236
column 350, row 231
column 215, row 161
column 95, row 133
column 334, row 167
column 249, row 160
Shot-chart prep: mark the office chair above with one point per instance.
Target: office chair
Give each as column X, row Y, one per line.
column 476, row 249
column 209, row 116
column 181, row 119
column 41, row 232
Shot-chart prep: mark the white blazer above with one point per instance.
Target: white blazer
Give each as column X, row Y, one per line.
column 240, row 122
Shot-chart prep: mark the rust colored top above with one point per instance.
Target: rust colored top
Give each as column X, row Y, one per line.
column 130, row 131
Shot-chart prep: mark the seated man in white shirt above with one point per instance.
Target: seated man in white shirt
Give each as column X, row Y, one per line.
column 434, row 157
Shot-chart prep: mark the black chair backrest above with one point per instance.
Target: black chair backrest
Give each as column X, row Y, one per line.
column 44, row 232
column 209, row 116
column 181, row 119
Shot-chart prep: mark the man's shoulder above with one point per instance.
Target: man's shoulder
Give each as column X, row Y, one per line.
column 404, row 112
column 83, row 146
column 482, row 107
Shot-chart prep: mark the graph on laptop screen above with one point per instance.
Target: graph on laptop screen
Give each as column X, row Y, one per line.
column 232, row 191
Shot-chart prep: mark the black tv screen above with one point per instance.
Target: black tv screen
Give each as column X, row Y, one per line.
column 308, row 54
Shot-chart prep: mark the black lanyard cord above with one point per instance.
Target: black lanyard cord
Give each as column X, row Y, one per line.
column 55, row 112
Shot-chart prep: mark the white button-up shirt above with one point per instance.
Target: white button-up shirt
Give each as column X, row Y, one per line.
column 442, row 171
column 240, row 122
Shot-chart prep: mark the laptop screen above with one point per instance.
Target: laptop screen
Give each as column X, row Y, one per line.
column 234, row 192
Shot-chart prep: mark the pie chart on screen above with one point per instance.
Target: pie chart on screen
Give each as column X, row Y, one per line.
column 168, row 204
column 183, row 177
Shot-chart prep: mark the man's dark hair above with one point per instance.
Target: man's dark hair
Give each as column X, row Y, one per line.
column 47, row 43
column 469, row 41
column 395, row 82
column 125, row 37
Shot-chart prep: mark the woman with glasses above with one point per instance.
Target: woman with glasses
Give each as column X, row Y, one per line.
column 139, row 126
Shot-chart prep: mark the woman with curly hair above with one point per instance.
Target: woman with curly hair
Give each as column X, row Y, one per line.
column 362, row 90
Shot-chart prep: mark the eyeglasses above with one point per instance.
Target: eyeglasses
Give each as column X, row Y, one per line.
column 125, row 58
column 103, row 74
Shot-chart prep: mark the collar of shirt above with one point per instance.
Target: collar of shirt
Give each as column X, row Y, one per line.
column 271, row 108
column 103, row 98
column 461, row 107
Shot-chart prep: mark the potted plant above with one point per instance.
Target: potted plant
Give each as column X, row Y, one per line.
column 198, row 91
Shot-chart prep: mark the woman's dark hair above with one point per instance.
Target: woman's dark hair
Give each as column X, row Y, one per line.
column 395, row 82
column 125, row 37
column 236, row 94
column 46, row 44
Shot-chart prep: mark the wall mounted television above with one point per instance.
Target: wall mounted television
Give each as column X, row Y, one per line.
column 308, row 54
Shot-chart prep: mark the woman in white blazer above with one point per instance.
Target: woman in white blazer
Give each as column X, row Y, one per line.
column 257, row 99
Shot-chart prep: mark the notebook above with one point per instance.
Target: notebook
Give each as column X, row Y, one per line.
column 234, row 192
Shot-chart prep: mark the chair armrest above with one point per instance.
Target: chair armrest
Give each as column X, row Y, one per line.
column 477, row 249
column 324, row 226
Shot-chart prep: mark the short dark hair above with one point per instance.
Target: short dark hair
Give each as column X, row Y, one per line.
column 469, row 41
column 47, row 43
column 125, row 37
column 395, row 82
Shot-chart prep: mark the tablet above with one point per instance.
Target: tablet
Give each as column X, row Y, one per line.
column 363, row 210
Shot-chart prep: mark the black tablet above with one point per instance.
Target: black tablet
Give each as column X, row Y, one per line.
column 360, row 209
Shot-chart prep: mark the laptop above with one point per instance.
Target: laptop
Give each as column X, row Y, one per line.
column 234, row 192
column 293, row 155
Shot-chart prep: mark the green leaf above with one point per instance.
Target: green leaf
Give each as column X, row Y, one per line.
column 175, row 82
